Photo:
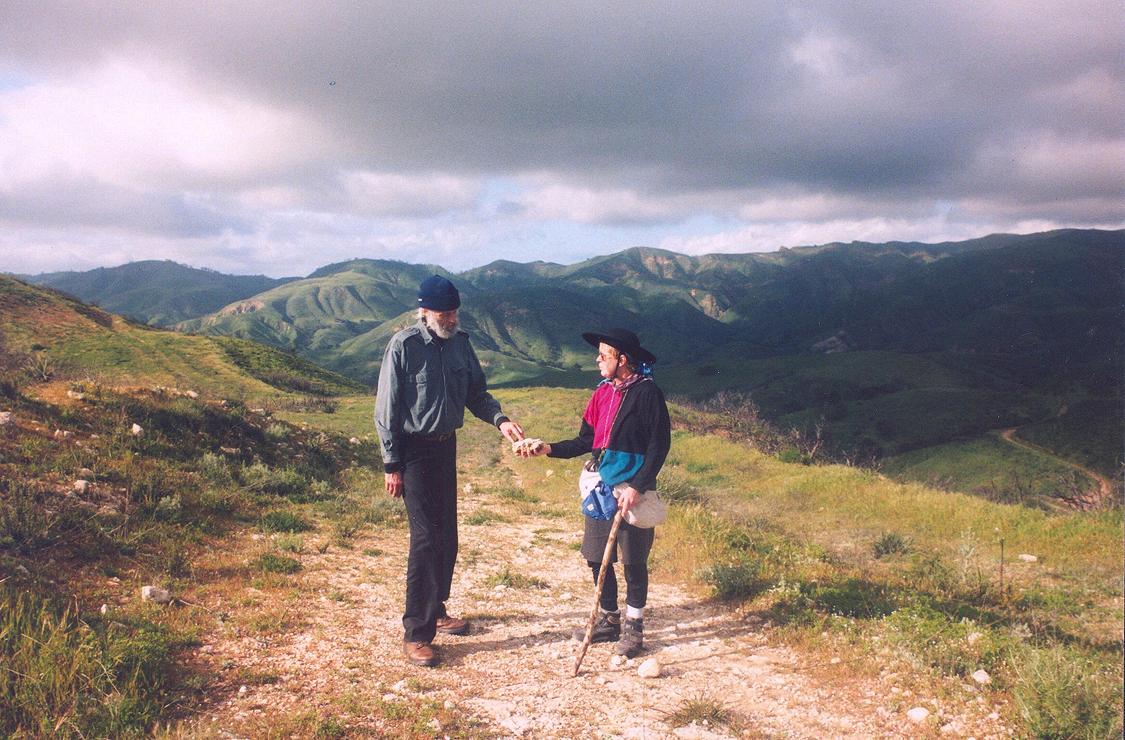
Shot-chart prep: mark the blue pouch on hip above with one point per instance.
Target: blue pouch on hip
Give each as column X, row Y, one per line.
column 600, row 503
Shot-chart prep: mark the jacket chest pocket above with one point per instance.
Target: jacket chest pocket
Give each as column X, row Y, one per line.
column 457, row 382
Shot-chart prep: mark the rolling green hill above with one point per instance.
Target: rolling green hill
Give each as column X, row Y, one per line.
column 885, row 348
column 71, row 339
column 1039, row 305
column 154, row 292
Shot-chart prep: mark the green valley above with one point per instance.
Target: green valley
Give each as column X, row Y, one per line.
column 236, row 497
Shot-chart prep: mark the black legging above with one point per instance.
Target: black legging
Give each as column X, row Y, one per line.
column 636, row 585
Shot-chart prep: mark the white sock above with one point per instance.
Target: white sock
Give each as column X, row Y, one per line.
column 632, row 612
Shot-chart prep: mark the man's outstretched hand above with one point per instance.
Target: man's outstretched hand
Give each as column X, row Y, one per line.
column 512, row 430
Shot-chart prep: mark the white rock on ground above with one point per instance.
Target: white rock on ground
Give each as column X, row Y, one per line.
column 137, row 430
column 982, row 677
column 85, row 473
column 191, row 394
column 5, row 418
column 918, row 714
column 81, row 486
column 649, row 669
column 156, row 594
column 1028, row 558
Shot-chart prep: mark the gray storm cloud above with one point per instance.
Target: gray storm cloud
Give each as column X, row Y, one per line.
column 664, row 105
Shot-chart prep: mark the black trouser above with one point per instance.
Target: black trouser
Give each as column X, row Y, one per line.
column 636, row 585
column 429, row 480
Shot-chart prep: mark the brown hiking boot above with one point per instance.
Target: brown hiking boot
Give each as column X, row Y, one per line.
column 632, row 638
column 420, row 653
column 452, row 625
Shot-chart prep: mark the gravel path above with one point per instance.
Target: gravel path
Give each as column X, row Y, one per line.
column 338, row 654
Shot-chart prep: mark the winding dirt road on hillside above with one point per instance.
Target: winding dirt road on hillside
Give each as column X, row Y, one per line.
column 1104, row 492
column 327, row 644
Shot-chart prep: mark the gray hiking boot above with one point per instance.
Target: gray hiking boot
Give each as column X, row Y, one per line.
column 632, row 638
column 606, row 629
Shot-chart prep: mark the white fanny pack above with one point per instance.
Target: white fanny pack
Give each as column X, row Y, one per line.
column 649, row 511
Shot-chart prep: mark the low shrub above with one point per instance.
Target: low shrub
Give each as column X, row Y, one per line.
column 284, row 521
column 285, row 482
column 273, row 563
column 214, row 469
column 385, row 510
column 704, row 711
column 737, row 581
column 33, row 518
column 1062, row 694
column 277, row 432
column 676, row 487
column 890, row 543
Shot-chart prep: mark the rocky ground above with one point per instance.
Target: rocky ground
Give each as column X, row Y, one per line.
column 330, row 647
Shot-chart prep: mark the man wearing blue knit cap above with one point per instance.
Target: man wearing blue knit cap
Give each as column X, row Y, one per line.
column 429, row 376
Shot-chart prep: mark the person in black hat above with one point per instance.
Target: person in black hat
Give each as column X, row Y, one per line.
column 626, row 430
column 429, row 376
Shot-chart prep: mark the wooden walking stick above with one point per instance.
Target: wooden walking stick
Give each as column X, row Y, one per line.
column 609, row 545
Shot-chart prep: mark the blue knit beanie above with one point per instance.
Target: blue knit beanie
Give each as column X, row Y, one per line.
column 438, row 294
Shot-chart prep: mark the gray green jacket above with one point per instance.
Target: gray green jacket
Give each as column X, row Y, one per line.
column 425, row 385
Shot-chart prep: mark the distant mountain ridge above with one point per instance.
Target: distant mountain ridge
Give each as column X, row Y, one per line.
column 834, row 296
column 883, row 348
column 1011, row 295
column 157, row 292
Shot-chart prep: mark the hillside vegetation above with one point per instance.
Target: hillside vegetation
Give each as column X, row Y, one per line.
column 929, row 585
column 876, row 349
column 57, row 337
column 154, row 292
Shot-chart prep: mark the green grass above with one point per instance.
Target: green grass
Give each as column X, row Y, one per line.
column 831, row 550
column 511, row 579
column 283, row 370
column 1063, row 694
column 795, row 543
column 83, row 341
column 66, row 675
column 480, row 517
column 156, row 499
column 1090, row 433
column 284, row 521
column 273, row 563
column 988, row 466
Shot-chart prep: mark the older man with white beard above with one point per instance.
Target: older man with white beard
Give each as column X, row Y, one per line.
column 429, row 376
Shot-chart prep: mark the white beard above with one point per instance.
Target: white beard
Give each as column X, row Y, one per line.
column 442, row 332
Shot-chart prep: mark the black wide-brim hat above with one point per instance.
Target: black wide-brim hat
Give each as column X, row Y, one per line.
column 623, row 341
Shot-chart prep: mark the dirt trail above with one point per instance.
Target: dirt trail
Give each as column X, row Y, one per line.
column 340, row 655
column 1105, row 485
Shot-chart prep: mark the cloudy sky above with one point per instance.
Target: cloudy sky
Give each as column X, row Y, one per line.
column 277, row 137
